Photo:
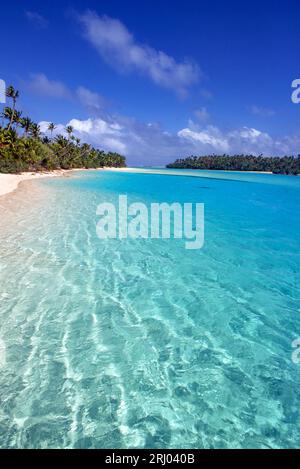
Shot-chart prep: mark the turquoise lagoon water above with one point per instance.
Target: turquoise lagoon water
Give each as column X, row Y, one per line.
column 142, row 343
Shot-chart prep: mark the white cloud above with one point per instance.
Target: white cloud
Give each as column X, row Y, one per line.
column 202, row 114
column 41, row 85
column 249, row 140
column 59, row 129
column 118, row 47
column 262, row 111
column 92, row 101
column 96, row 126
column 150, row 144
column 38, row 20
column 208, row 138
column 243, row 140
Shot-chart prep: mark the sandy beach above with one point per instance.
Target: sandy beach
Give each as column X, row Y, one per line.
column 10, row 182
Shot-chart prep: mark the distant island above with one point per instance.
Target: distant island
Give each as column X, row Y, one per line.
column 24, row 148
column 275, row 165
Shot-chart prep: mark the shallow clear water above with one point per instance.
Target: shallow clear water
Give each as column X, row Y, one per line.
column 142, row 343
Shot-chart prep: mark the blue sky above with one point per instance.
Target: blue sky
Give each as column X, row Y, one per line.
column 157, row 80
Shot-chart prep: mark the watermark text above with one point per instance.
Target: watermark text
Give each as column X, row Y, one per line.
column 296, row 93
column 161, row 221
column 2, row 92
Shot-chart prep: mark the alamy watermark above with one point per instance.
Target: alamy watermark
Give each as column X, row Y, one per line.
column 296, row 352
column 296, row 93
column 2, row 92
column 162, row 221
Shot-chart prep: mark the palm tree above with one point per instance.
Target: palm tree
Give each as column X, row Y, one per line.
column 34, row 150
column 26, row 124
column 17, row 119
column 8, row 137
column 46, row 140
column 69, row 130
column 51, row 127
column 13, row 94
column 85, row 149
column 61, row 140
column 35, row 130
column 8, row 113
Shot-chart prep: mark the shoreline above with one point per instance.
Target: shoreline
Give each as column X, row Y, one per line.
column 10, row 182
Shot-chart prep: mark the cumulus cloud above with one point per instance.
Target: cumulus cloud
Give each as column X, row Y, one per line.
column 251, row 140
column 118, row 47
column 38, row 20
column 100, row 132
column 210, row 138
column 59, row 128
column 243, row 140
column 150, row 144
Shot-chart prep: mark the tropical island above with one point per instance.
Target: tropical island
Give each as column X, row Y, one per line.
column 24, row 148
column 276, row 165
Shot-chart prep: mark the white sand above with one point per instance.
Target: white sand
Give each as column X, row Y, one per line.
column 10, row 182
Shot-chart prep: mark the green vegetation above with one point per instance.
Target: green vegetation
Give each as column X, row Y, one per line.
column 24, row 148
column 276, row 165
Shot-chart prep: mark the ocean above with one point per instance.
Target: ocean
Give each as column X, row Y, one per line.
column 141, row 343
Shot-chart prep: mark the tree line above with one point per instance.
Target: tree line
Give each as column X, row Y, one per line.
column 276, row 165
column 23, row 147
